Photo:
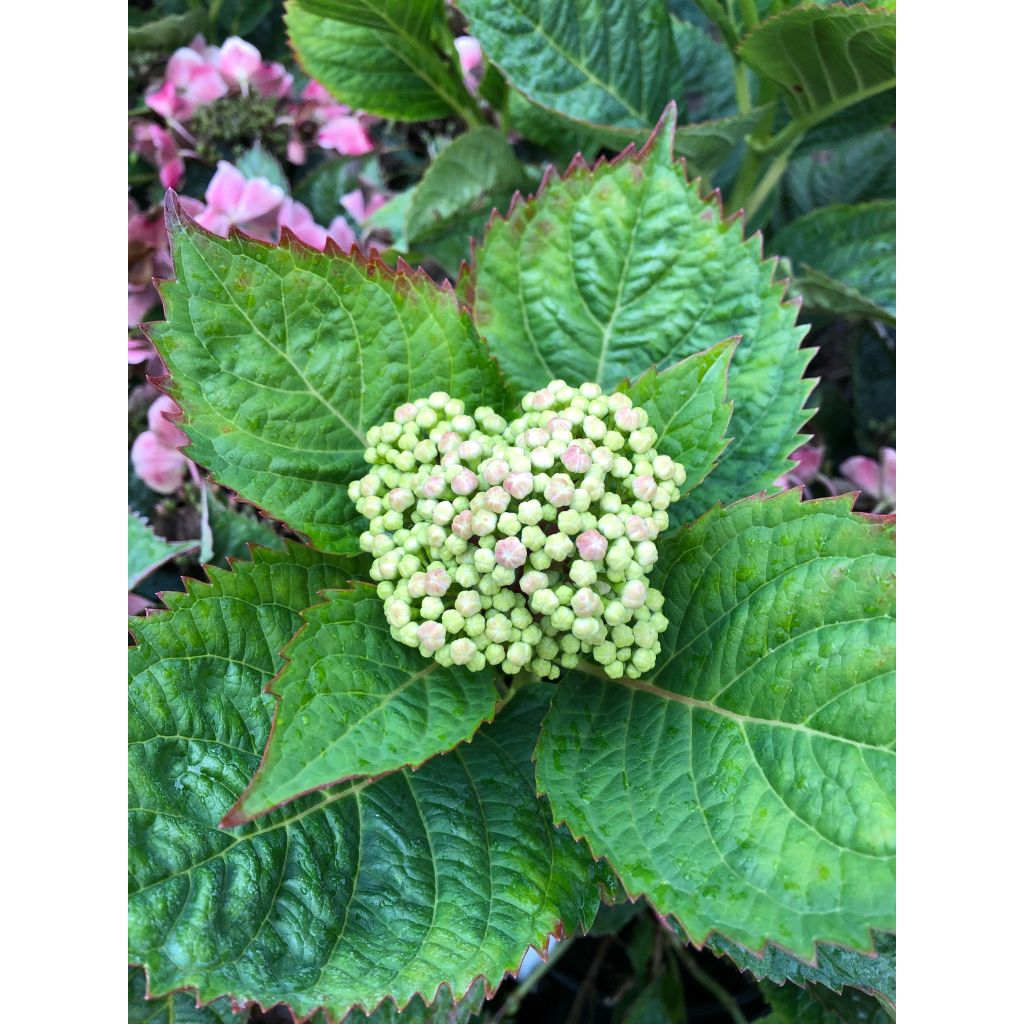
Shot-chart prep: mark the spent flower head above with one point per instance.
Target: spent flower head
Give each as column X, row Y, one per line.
column 525, row 544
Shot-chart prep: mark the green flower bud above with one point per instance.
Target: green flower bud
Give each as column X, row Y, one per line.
column 544, row 601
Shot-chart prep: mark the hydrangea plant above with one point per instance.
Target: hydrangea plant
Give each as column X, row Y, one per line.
column 552, row 635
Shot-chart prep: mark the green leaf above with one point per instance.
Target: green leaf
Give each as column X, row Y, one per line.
column 322, row 188
column 825, row 58
column 708, row 84
column 611, row 270
column 846, row 256
column 445, row 1010
column 355, row 702
column 174, row 1008
column 166, row 34
column 471, row 176
column 561, row 136
column 282, row 357
column 380, row 888
column 591, row 61
column 854, row 170
column 234, row 528
column 147, row 552
column 256, row 162
column 818, row 1005
column 748, row 785
column 709, row 144
column 686, row 405
column 836, row 967
column 380, row 56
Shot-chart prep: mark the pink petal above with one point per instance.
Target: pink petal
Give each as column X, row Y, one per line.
column 239, row 60
column 205, row 86
column 225, row 189
column 214, row 221
column 346, row 135
column 342, row 234
column 164, row 100
column 296, row 151
column 140, row 302
column 354, row 203
column 808, row 462
column 889, row 473
column 470, row 54
column 139, row 350
column 863, row 473
column 161, row 468
column 299, row 220
column 316, row 93
column 137, row 604
column 183, row 64
column 172, row 173
column 377, row 200
column 159, row 423
column 272, row 80
column 258, row 197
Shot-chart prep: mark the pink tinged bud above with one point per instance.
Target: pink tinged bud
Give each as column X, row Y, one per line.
column 470, row 54
column 627, row 419
column 448, row 442
column 431, row 636
column 636, row 528
column 400, row 498
column 634, row 593
column 560, row 490
column 432, row 486
column 591, row 545
column 532, row 581
column 465, row 483
column 645, row 487
column 510, row 552
column 404, row 413
column 470, row 450
column 535, row 437
column 496, row 499
column 575, row 459
column 519, row 485
column 462, row 525
column 437, row 582
column 417, row 585
column 559, row 423
column 495, row 471
column 586, row 602
column 451, row 459
column 542, row 399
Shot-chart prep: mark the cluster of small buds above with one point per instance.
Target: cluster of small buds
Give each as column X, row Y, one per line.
column 524, row 544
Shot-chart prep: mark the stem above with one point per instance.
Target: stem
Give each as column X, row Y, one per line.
column 706, row 981
column 739, row 75
column 767, row 184
column 748, row 8
column 511, row 1005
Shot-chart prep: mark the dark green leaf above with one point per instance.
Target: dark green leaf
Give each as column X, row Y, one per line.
column 322, row 188
column 836, row 967
column 350, row 895
column 709, row 88
column 234, row 528
column 846, row 258
column 818, row 1005
column 748, row 785
column 174, row 1008
column 166, row 34
column 592, row 61
column 825, row 58
column 609, row 271
column 147, row 552
column 282, row 357
column 354, row 702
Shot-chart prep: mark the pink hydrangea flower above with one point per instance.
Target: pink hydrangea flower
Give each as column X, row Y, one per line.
column 155, row 454
column 471, row 57
column 232, row 200
column 157, row 146
column 876, row 479
column 190, row 80
column 238, row 62
column 808, row 460
column 360, row 207
column 345, row 134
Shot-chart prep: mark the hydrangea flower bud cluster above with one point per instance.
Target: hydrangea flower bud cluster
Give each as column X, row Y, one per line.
column 524, row 545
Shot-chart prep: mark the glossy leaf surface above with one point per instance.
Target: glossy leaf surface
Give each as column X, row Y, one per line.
column 747, row 785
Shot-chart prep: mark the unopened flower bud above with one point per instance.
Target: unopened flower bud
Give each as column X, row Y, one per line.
column 591, row 546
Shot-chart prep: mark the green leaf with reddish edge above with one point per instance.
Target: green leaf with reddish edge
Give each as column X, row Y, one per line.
column 747, row 785
column 445, row 1010
column 847, row 258
column 174, row 1008
column 387, row 887
column 605, row 64
column 382, row 56
column 147, row 552
column 686, row 405
column 836, row 967
column 608, row 271
column 819, row 1005
column 353, row 701
column 282, row 357
column 825, row 58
